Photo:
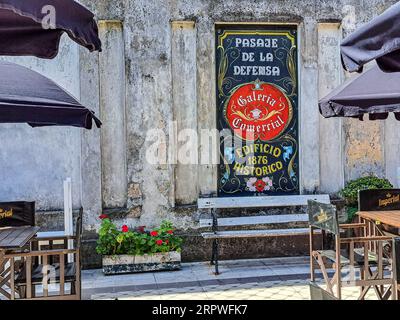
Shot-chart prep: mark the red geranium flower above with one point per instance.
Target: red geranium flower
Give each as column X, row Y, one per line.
column 260, row 185
column 159, row 242
column 103, row 216
column 125, row 228
column 141, row 229
column 154, row 233
column 170, row 231
column 166, row 241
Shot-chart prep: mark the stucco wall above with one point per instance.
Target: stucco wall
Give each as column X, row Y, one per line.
column 165, row 41
column 158, row 66
column 34, row 162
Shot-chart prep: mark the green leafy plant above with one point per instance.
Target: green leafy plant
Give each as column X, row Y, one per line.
column 138, row 241
column 350, row 191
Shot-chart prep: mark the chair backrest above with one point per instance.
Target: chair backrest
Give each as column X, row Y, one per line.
column 78, row 228
column 317, row 293
column 379, row 199
column 323, row 216
column 17, row 214
column 397, row 253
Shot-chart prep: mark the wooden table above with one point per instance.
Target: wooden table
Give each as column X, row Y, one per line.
column 390, row 218
column 12, row 238
column 16, row 237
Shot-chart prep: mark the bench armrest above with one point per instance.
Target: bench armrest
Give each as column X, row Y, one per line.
column 366, row 239
column 36, row 239
column 40, row 253
column 352, row 225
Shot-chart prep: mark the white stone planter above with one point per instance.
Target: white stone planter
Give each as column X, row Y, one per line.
column 120, row 264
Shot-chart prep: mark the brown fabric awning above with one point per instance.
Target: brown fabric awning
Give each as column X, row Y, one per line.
column 374, row 92
column 29, row 97
column 378, row 39
column 22, row 32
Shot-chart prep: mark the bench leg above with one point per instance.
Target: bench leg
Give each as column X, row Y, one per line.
column 215, row 249
column 213, row 253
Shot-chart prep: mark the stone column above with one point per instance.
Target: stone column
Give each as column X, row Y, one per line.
column 207, row 113
column 90, row 150
column 112, row 111
column 331, row 131
column 184, row 86
column 309, row 115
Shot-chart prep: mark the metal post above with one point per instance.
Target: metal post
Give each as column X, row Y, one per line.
column 213, row 253
column 312, row 270
column 216, row 257
column 215, row 243
column 338, row 267
column 68, row 217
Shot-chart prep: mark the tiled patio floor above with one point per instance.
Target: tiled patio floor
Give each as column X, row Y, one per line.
column 261, row 279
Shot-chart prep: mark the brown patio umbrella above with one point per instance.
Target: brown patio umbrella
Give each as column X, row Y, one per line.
column 22, row 32
column 28, row 97
column 379, row 39
column 374, row 92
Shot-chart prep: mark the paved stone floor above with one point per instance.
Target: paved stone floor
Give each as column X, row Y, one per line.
column 261, row 279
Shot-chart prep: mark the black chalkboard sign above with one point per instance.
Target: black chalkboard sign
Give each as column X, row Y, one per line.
column 17, row 214
column 257, row 110
column 379, row 199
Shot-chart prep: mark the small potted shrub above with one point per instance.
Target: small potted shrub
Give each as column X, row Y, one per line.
column 138, row 250
column 350, row 191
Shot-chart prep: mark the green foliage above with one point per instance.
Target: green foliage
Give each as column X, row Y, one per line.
column 351, row 212
column 350, row 191
column 136, row 242
column 107, row 242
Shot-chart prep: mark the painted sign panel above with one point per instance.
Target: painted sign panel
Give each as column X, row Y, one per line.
column 379, row 199
column 257, row 110
column 16, row 214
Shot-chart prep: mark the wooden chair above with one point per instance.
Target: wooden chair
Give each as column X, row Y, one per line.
column 375, row 269
column 397, row 251
column 49, row 266
column 317, row 293
column 13, row 214
column 382, row 200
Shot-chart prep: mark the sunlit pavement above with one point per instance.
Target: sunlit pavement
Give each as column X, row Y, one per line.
column 260, row 279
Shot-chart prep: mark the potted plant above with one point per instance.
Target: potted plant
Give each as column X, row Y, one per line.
column 350, row 191
column 138, row 250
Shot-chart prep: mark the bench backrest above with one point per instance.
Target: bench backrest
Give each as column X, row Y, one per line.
column 379, row 199
column 260, row 202
column 255, row 220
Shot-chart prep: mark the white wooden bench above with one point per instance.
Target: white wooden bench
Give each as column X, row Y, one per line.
column 253, row 202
